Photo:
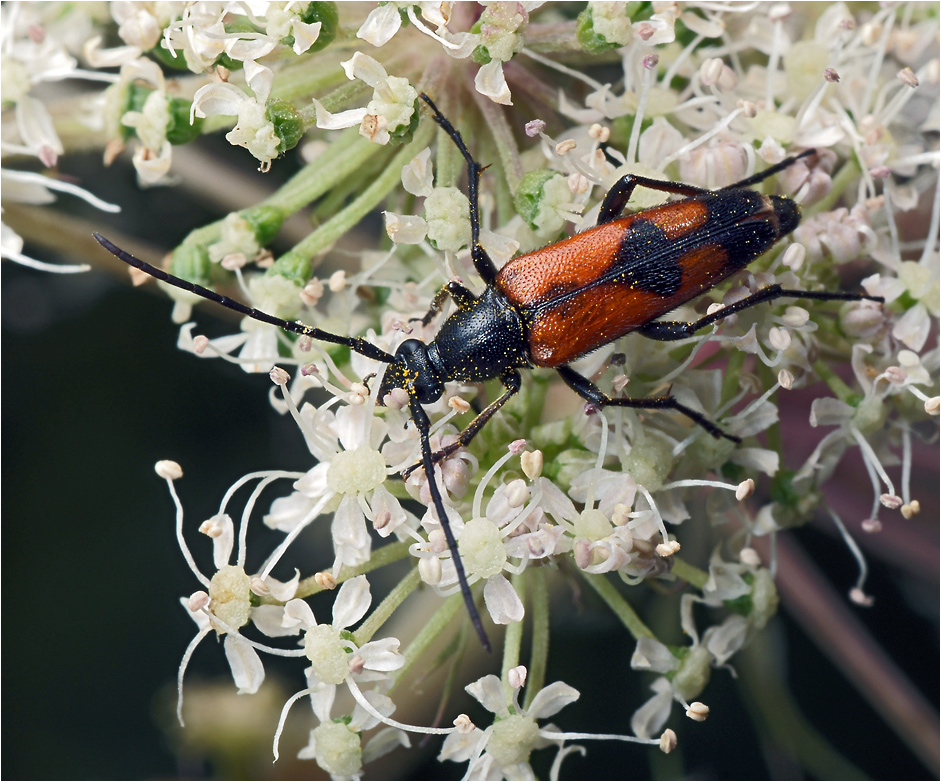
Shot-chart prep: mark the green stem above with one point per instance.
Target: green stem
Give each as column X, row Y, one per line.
column 732, row 373
column 513, row 641
column 686, row 572
column 773, row 436
column 616, row 602
column 841, row 180
column 385, row 609
column 539, row 655
column 509, row 153
column 842, row 391
column 780, row 724
column 296, row 263
column 429, row 633
column 379, row 558
column 347, row 153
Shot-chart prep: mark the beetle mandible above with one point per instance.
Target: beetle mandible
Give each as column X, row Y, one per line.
column 551, row 306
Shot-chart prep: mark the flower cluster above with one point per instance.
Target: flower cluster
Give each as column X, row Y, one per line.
column 708, row 95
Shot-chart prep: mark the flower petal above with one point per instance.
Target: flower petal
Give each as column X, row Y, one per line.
column 502, row 601
column 552, row 699
column 344, row 119
column 247, row 670
column 651, row 655
column 491, row 82
column 489, row 691
column 382, row 655
column 352, row 603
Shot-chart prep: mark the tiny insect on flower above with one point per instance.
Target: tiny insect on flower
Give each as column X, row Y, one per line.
column 549, row 307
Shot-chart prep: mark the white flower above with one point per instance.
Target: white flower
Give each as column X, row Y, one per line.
column 254, row 130
column 503, row 750
column 336, row 659
column 351, row 471
column 337, row 744
column 920, row 281
column 332, row 653
column 390, row 109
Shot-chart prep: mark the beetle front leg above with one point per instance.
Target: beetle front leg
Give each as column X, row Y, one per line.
column 666, row 330
column 462, row 298
column 511, row 383
column 588, row 391
column 482, row 262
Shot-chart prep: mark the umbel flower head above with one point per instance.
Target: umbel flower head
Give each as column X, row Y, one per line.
column 559, row 103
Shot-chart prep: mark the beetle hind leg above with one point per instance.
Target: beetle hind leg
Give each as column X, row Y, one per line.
column 588, row 391
column 666, row 330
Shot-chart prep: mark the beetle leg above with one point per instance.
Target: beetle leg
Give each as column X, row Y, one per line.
column 754, row 179
column 482, row 263
column 420, row 417
column 620, row 193
column 669, row 329
column 511, row 383
column 461, row 296
column 588, row 391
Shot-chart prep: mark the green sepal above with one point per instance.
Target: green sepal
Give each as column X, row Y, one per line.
column 588, row 39
column 530, row 194
column 404, row 133
column 265, row 222
column 292, row 268
column 191, row 262
column 288, row 125
column 480, row 55
column 329, row 18
column 179, row 128
column 164, row 57
column 135, row 96
column 782, row 488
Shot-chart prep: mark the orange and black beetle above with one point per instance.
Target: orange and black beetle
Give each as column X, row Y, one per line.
column 551, row 306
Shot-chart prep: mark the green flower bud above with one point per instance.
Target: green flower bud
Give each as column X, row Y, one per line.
column 265, row 222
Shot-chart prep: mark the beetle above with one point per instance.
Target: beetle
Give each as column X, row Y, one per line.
column 548, row 307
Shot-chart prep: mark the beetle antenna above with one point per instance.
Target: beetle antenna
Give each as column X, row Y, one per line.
column 420, row 417
column 357, row 344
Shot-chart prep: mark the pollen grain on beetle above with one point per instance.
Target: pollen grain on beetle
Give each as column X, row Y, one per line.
column 550, row 179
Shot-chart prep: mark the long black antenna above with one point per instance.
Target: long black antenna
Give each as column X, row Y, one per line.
column 358, row 344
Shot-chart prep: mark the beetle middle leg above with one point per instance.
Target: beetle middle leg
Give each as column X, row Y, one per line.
column 667, row 330
column 588, row 391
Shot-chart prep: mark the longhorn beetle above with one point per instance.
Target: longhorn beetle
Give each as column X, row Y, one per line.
column 551, row 306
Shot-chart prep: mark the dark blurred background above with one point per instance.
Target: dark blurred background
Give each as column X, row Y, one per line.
column 96, row 392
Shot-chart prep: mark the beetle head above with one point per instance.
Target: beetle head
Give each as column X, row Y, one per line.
column 413, row 371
